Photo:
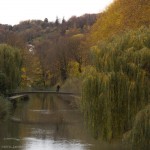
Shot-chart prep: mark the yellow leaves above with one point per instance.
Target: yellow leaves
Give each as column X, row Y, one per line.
column 49, row 75
column 132, row 86
column 24, row 77
column 23, row 69
column 73, row 69
column 89, row 70
column 119, row 16
column 95, row 49
column 78, row 36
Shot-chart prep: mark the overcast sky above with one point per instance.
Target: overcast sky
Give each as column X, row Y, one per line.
column 14, row 11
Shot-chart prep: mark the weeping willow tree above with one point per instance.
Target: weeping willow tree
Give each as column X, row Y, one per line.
column 10, row 68
column 118, row 85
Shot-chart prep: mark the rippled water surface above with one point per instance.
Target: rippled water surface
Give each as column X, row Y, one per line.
column 48, row 122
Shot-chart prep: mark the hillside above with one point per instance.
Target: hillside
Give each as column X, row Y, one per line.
column 32, row 30
column 120, row 16
column 48, row 47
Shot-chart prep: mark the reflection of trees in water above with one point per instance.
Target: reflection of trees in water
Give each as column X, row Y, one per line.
column 53, row 106
column 43, row 99
column 48, row 102
column 19, row 109
column 48, row 109
column 9, row 134
column 61, row 128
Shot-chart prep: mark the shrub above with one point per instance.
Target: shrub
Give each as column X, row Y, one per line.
column 141, row 130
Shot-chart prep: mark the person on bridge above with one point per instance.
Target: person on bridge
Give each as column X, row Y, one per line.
column 58, row 87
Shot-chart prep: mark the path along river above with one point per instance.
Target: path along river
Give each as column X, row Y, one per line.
column 49, row 122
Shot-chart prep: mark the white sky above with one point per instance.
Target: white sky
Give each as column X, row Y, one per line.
column 14, row 11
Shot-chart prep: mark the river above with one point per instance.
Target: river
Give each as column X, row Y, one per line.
column 49, row 122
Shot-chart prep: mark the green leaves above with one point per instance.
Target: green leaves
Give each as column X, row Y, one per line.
column 119, row 86
column 10, row 68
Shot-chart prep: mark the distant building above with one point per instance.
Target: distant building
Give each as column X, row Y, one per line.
column 31, row 48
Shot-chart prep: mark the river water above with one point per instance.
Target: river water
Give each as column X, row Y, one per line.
column 49, row 122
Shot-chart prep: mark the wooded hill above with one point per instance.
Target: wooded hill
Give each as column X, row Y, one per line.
column 48, row 47
column 32, row 30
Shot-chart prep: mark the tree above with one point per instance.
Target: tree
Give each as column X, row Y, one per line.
column 62, row 57
column 74, row 49
column 57, row 22
column 10, row 67
column 117, row 86
column 46, row 20
column 3, row 83
column 63, row 21
column 43, row 54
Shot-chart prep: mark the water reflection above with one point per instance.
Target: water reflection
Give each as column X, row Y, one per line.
column 47, row 122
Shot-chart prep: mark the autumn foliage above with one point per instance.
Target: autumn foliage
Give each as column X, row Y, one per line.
column 120, row 16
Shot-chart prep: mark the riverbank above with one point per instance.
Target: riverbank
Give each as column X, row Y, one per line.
column 4, row 108
column 72, row 100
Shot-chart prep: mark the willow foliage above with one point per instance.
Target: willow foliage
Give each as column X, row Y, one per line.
column 10, row 68
column 118, row 87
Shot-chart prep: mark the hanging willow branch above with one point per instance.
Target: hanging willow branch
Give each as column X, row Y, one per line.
column 119, row 86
